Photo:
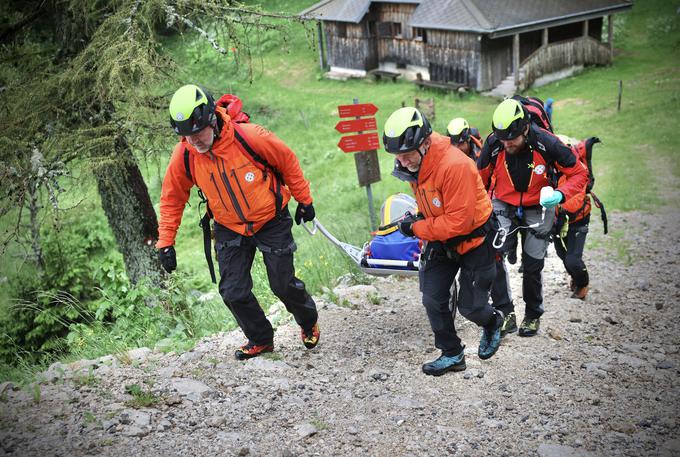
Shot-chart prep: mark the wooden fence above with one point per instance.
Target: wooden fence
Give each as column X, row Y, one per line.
column 561, row 55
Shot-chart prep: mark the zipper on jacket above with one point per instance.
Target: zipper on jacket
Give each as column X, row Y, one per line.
column 238, row 183
column 422, row 192
column 217, row 188
column 232, row 195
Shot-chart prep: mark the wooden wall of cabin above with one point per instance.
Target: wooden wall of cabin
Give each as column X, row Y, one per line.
column 349, row 45
column 395, row 40
column 453, row 56
column 496, row 61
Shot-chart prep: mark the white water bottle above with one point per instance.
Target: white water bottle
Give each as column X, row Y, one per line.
column 546, row 192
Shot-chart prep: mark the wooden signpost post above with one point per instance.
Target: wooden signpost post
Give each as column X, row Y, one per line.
column 365, row 146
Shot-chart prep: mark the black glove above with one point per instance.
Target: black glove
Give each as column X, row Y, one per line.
column 304, row 213
column 406, row 227
column 168, row 258
column 406, row 224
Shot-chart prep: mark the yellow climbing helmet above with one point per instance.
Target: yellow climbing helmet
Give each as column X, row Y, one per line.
column 458, row 130
column 405, row 130
column 509, row 119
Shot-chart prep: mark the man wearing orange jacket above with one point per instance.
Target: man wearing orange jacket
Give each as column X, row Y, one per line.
column 521, row 158
column 456, row 224
column 247, row 175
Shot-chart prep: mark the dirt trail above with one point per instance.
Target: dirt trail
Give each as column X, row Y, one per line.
column 601, row 378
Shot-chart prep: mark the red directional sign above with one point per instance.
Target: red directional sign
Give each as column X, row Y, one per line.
column 362, row 142
column 356, row 125
column 362, row 109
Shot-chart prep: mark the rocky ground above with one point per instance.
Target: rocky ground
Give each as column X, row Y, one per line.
column 601, row 378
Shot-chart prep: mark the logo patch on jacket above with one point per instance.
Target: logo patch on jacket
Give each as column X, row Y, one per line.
column 539, row 169
column 436, row 202
column 250, row 176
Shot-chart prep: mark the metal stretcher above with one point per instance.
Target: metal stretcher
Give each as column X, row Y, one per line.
column 371, row 266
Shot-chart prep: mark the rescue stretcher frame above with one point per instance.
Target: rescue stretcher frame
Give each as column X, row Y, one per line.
column 375, row 267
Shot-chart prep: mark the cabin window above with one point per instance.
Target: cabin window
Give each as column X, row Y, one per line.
column 385, row 29
column 389, row 29
column 341, row 29
column 372, row 29
column 396, row 29
column 420, row 34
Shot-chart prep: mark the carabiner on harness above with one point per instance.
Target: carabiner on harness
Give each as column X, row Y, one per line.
column 502, row 233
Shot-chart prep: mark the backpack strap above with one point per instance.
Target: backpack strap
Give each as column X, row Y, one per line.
column 260, row 162
column 205, row 220
column 590, row 142
column 187, row 165
column 603, row 213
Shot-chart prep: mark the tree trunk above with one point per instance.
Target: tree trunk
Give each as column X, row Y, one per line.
column 127, row 204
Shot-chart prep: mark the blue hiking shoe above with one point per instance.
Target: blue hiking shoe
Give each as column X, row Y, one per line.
column 491, row 338
column 445, row 363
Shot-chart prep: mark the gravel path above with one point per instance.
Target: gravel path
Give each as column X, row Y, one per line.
column 601, row 378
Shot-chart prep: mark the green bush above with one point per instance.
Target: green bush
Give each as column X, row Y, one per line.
column 46, row 302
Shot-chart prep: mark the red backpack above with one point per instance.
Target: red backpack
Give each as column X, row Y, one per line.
column 584, row 152
column 534, row 106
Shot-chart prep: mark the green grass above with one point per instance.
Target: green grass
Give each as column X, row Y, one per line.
column 140, row 398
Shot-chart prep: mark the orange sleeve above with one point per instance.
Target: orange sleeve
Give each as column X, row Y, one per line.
column 174, row 196
column 459, row 186
column 282, row 158
column 576, row 174
column 575, row 203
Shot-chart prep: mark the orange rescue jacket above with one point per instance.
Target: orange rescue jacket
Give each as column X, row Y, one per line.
column 241, row 193
column 450, row 194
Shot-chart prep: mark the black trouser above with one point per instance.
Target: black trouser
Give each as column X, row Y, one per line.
column 437, row 273
column 235, row 254
column 570, row 250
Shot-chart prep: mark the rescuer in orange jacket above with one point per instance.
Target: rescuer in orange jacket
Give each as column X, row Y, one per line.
column 573, row 218
column 247, row 175
column 522, row 158
column 456, row 225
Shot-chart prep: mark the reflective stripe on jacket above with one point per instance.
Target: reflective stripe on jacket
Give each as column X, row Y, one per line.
column 239, row 191
column 450, row 194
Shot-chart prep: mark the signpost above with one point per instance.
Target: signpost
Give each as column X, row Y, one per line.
column 365, row 146
column 363, row 109
column 356, row 125
column 361, row 142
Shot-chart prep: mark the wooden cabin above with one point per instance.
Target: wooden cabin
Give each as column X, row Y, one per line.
column 475, row 43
